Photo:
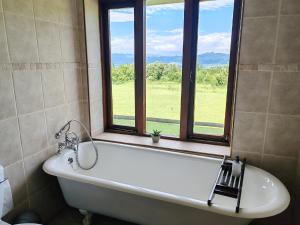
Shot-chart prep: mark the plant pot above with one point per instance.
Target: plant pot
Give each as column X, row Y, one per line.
column 155, row 139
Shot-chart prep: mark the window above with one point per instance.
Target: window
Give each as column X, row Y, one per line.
column 170, row 65
column 122, row 71
column 164, row 67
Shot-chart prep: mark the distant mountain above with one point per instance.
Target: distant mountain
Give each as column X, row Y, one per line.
column 206, row 59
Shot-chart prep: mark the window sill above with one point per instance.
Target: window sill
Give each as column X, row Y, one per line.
column 164, row 144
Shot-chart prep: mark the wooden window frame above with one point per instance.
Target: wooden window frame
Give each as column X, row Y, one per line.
column 190, row 40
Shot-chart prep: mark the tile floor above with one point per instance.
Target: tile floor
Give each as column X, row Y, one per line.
column 70, row 216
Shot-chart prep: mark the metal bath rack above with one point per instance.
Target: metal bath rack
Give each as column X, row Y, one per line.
column 228, row 185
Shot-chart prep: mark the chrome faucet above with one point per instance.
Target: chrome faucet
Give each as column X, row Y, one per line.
column 71, row 140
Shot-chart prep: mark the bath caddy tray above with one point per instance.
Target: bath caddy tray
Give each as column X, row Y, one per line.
column 228, row 185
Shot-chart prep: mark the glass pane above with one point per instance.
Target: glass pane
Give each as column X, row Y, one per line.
column 122, row 66
column 164, row 69
column 214, row 39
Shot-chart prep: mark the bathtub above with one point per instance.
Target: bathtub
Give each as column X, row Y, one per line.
column 153, row 187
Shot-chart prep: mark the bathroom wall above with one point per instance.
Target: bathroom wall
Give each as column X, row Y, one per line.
column 267, row 111
column 267, row 118
column 94, row 66
column 43, row 83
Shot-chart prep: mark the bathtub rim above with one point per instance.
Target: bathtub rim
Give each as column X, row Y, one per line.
column 274, row 207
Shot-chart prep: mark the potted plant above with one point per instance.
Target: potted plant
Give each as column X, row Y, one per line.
column 155, row 136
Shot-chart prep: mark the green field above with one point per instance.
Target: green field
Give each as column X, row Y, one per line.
column 163, row 101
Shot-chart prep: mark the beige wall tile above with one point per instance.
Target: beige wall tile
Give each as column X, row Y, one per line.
column 80, row 11
column 249, row 129
column 68, row 12
column 10, row 145
column 92, row 14
column 285, row 93
column 36, row 177
column 290, row 7
column 288, row 40
column 7, row 98
column 95, row 83
column 76, row 111
column 253, row 91
column 255, row 8
column 82, row 44
column 48, row 41
column 85, row 88
column 21, row 38
column 96, row 113
column 52, row 151
column 16, row 177
column 19, row 7
column 258, row 49
column 53, row 87
column 282, row 167
column 86, row 109
column 73, row 85
column 93, row 45
column 33, row 133
column 70, row 44
column 56, row 118
column 28, row 90
column 47, row 10
column 282, row 136
column 4, row 57
column 1, row 8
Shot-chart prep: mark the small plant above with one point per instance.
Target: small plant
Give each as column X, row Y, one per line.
column 156, row 133
column 155, row 136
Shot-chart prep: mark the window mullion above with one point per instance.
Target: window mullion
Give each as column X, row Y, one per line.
column 140, row 65
column 189, row 61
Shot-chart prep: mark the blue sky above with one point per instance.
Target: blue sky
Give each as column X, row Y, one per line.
column 165, row 28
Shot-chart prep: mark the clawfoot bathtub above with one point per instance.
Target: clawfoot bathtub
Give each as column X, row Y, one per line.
column 152, row 187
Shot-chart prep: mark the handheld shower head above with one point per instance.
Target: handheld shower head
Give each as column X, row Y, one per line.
column 65, row 128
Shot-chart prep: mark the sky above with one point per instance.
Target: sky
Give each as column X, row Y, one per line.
column 164, row 28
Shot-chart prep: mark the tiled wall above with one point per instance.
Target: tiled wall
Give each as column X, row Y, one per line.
column 94, row 66
column 267, row 120
column 42, row 84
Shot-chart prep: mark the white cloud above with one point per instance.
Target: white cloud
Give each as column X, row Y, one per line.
column 121, row 15
column 206, row 5
column 124, row 45
column 214, row 42
column 213, row 5
column 127, row 15
column 157, row 8
column 170, row 43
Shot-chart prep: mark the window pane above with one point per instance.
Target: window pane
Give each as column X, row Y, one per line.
column 214, row 39
column 164, row 58
column 122, row 66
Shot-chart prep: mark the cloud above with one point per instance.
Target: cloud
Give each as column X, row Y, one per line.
column 205, row 6
column 127, row 15
column 214, row 5
column 124, row 45
column 158, row 8
column 170, row 43
column 214, row 42
column 121, row 15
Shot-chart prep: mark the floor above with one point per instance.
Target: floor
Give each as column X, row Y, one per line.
column 70, row 216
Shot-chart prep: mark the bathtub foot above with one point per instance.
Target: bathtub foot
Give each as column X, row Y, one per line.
column 87, row 217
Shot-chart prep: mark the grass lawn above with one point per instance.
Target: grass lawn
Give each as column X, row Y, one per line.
column 163, row 101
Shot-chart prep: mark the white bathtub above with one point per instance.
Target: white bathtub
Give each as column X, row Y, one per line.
column 152, row 187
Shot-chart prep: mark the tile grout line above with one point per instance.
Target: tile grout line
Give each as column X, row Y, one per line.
column 271, row 81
